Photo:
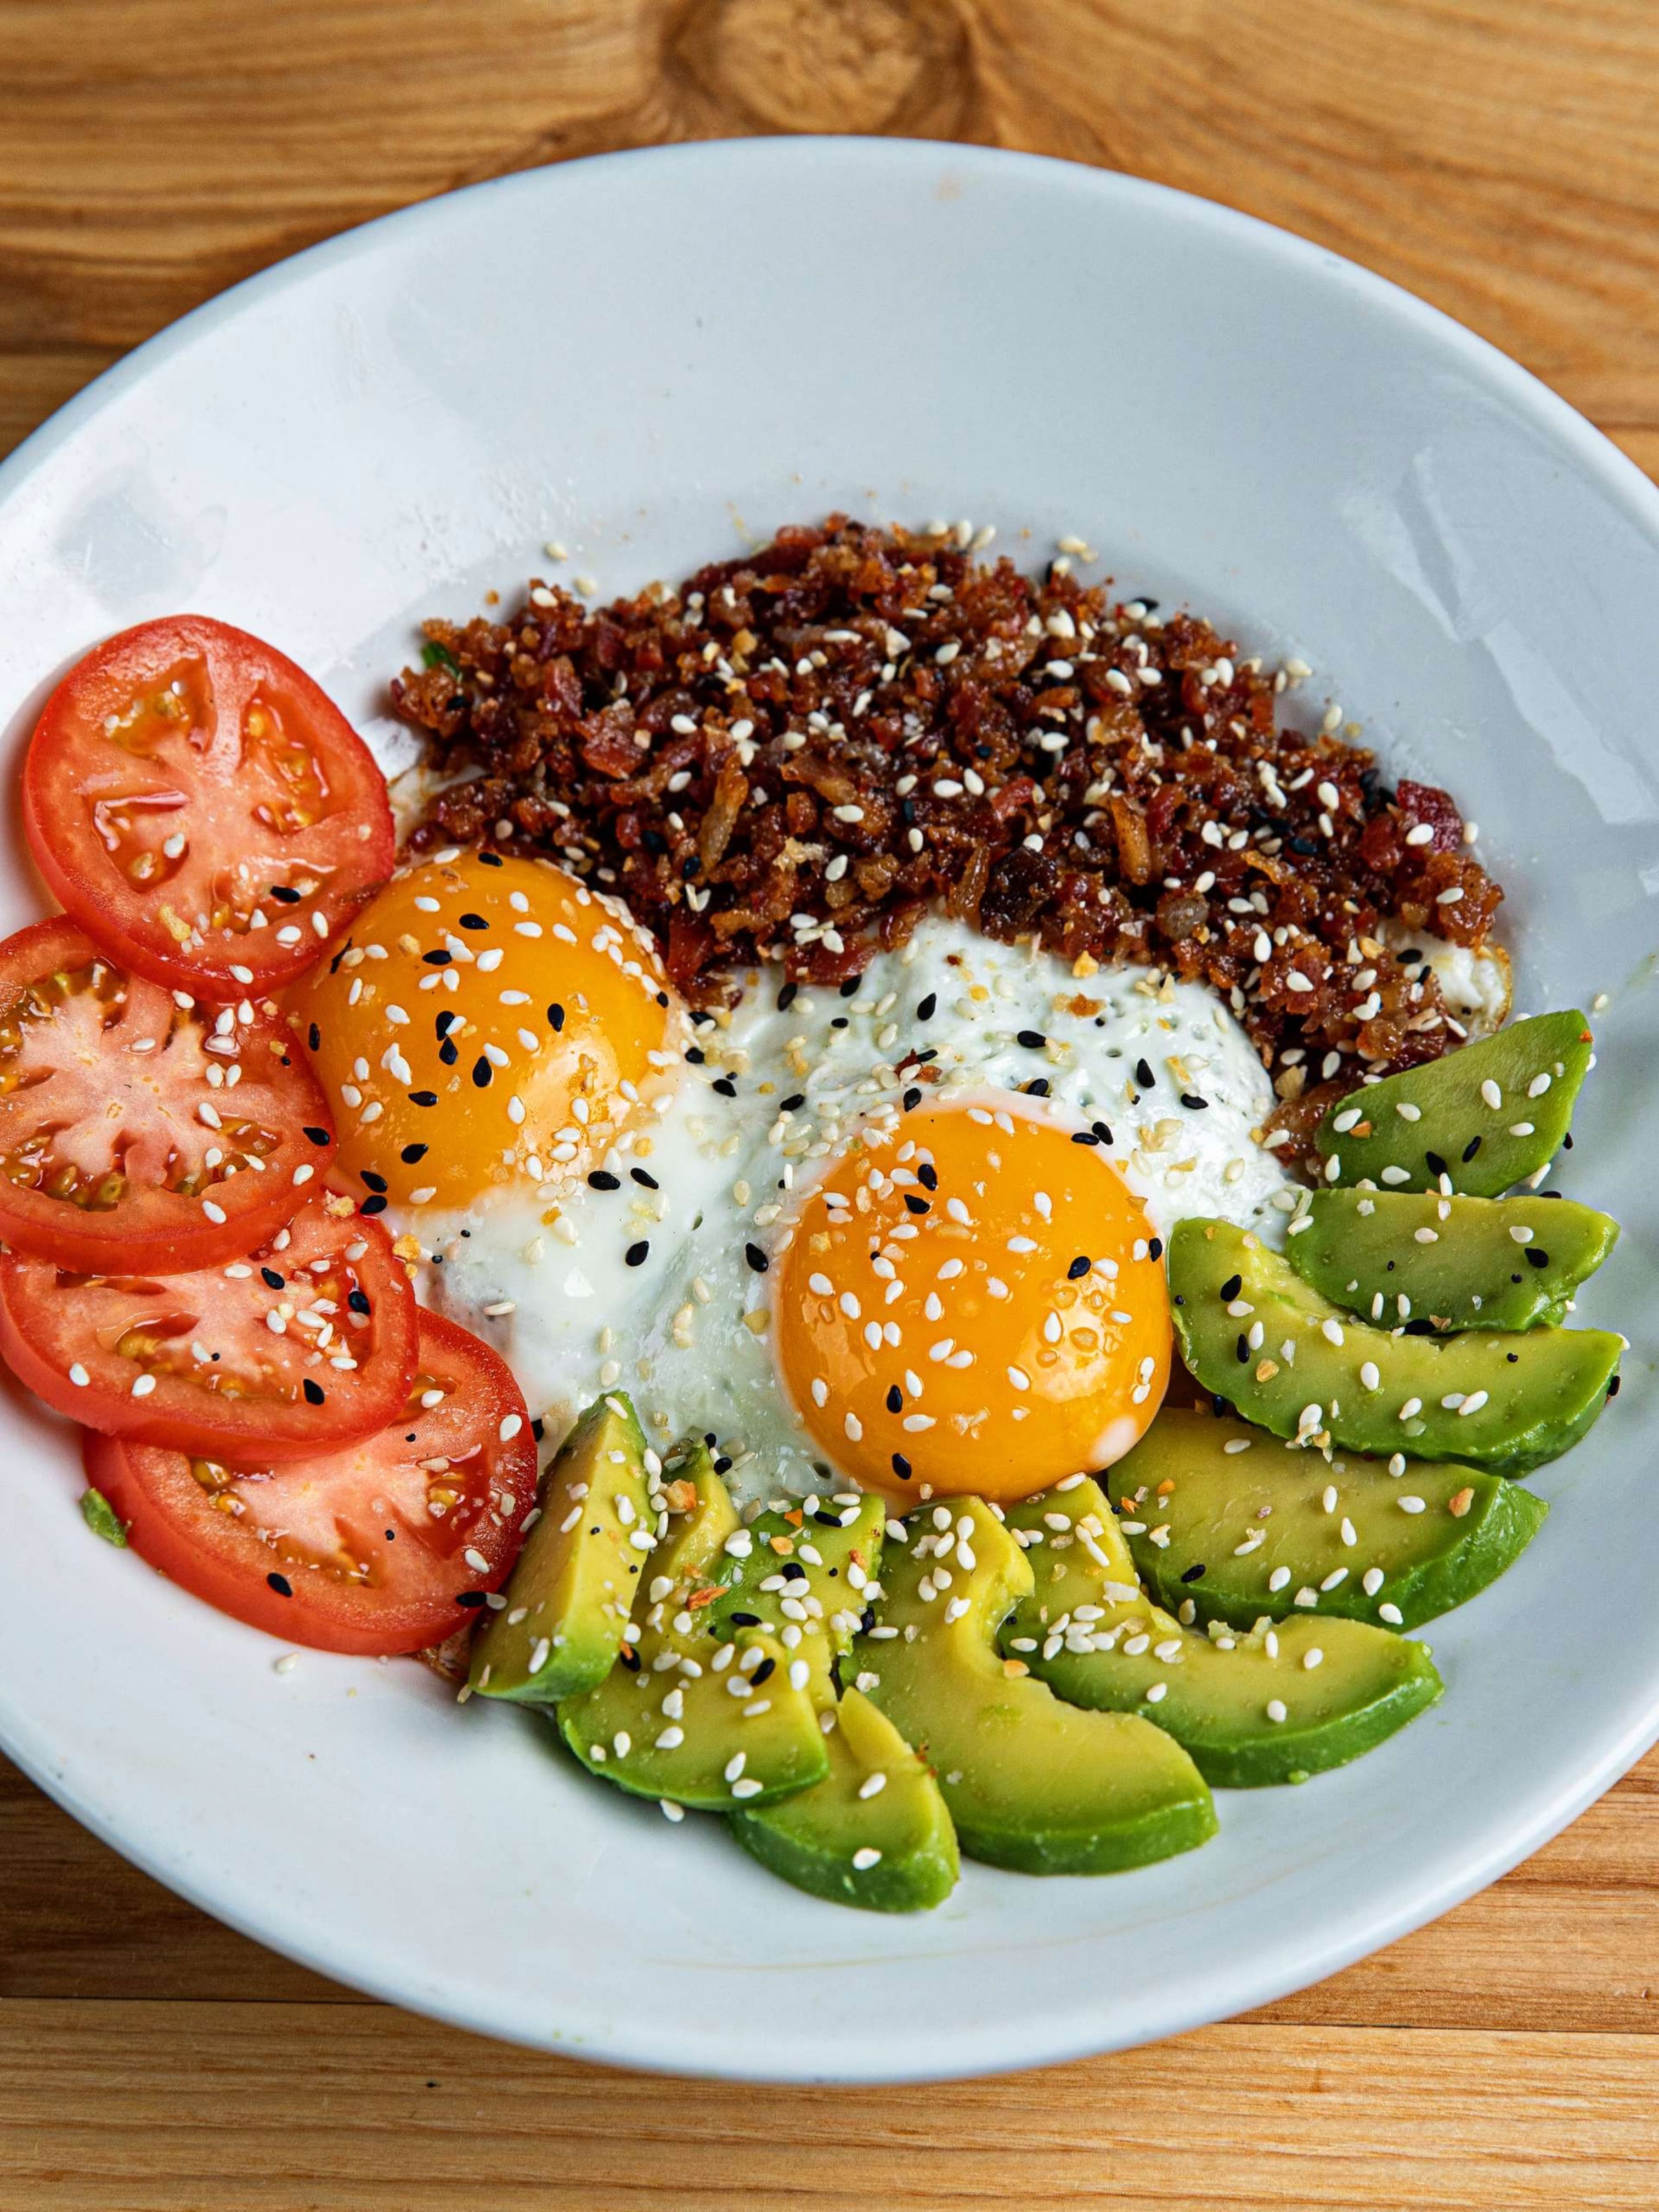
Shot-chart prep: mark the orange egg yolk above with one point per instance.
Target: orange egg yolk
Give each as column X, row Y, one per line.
column 488, row 1019
column 973, row 1303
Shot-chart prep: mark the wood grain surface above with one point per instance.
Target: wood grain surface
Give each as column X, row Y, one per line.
column 1501, row 157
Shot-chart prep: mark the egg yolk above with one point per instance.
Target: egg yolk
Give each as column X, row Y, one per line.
column 975, row 1302
column 489, row 1018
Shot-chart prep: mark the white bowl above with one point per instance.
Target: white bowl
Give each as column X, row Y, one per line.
column 654, row 357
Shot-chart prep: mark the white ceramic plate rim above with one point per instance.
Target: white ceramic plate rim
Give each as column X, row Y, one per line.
column 963, row 2045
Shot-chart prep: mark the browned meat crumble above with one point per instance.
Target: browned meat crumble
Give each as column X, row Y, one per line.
column 793, row 755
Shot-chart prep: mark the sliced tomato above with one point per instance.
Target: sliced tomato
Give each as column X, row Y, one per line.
column 117, row 1146
column 307, row 1343
column 389, row 1544
column 204, row 811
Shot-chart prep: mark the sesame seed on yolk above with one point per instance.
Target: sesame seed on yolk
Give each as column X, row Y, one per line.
column 931, row 1313
column 488, row 1021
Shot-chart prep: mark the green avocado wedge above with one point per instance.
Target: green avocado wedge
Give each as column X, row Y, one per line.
column 1449, row 1263
column 1226, row 1524
column 1273, row 1705
column 875, row 1832
column 574, row 1586
column 1487, row 1116
column 1032, row 1784
column 1253, row 1333
column 693, row 1721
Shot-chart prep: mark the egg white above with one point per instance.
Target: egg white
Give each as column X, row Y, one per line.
column 576, row 1308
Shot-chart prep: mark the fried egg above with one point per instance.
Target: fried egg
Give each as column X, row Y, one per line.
column 903, row 1233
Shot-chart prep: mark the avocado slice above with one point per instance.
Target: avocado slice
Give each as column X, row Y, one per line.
column 573, row 1587
column 1226, row 1524
column 886, row 1844
column 1253, row 1333
column 1032, row 1784
column 1449, row 1263
column 1439, row 1121
column 1273, row 1705
column 669, row 1724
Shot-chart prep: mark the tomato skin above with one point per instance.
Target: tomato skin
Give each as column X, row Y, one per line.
column 412, row 1601
column 140, row 1061
column 243, row 1398
column 220, row 773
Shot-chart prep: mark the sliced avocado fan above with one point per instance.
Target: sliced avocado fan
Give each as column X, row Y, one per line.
column 1273, row 1705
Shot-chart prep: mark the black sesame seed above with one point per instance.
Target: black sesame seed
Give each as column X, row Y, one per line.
column 1154, row 1247
column 911, row 1100
column 1512, row 1357
column 1101, row 1132
column 470, row 1599
column 482, row 1073
column 928, row 1007
column 315, row 1037
column 722, row 1464
column 602, row 1179
column 901, row 1467
column 895, row 1402
column 449, row 1052
column 375, row 1205
column 281, row 1584
column 1243, row 1349
column 1302, row 845
column 1470, row 1149
column 358, row 1301
column 1144, row 1075
column 827, row 1521
column 1079, row 1269
column 927, row 1176
column 1030, row 1040
column 1037, row 1088
column 849, row 988
column 1567, row 1141
column 317, row 1136
column 285, row 893
column 921, row 1059
column 1436, row 1165
column 1218, row 1405
column 313, row 1392
column 1195, row 1574
column 1613, row 1387
column 410, row 1153
column 645, row 1182
column 1192, row 1102
column 555, row 1017
column 473, row 921
column 725, row 1085
column 695, row 1054
column 786, row 997
column 915, row 1205
column 1231, row 1287
column 756, row 1259
column 271, row 1277
column 490, row 859
column 794, row 1571
column 374, row 1182
column 1084, row 1137
column 446, row 1022
column 788, row 1105
column 438, row 959
column 635, row 1254
column 763, row 1672
column 1536, row 1256
column 746, row 1620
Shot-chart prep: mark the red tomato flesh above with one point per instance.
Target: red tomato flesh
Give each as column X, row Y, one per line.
column 117, row 1146
column 202, row 809
column 386, row 1546
column 307, row 1343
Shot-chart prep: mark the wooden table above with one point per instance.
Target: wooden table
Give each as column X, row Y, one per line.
column 1500, row 157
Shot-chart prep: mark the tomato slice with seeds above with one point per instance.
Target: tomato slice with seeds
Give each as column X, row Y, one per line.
column 138, row 1131
column 385, row 1545
column 202, row 809
column 307, row 1343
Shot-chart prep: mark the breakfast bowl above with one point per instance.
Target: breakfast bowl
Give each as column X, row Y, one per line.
column 622, row 370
